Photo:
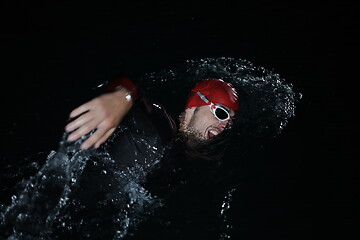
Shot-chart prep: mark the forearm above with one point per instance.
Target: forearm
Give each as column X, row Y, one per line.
column 102, row 114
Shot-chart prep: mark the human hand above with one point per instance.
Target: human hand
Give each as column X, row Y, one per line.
column 102, row 114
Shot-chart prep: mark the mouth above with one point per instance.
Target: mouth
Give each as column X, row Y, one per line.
column 211, row 133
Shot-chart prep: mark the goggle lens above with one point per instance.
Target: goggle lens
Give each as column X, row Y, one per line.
column 221, row 114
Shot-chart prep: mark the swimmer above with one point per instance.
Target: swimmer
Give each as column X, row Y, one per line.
column 210, row 108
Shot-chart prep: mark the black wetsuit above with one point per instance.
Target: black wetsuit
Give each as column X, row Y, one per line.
column 106, row 189
column 149, row 141
column 144, row 134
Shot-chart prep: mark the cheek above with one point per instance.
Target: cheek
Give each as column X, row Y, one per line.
column 205, row 121
column 200, row 125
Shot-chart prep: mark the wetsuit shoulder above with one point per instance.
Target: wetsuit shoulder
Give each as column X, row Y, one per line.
column 143, row 135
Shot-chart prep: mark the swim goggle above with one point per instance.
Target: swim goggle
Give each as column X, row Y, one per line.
column 219, row 112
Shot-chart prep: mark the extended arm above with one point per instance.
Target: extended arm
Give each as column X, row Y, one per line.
column 103, row 113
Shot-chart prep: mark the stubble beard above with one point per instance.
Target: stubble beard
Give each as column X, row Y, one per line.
column 191, row 136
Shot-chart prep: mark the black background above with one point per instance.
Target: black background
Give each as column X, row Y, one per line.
column 54, row 52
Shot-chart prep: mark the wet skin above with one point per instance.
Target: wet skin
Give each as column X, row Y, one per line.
column 201, row 121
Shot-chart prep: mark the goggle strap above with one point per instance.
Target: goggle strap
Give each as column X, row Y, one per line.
column 203, row 97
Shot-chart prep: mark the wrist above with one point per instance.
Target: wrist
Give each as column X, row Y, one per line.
column 124, row 82
column 123, row 93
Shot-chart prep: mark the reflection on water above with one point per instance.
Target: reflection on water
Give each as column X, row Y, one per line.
column 84, row 194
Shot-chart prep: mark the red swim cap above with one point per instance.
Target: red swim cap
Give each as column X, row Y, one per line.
column 216, row 91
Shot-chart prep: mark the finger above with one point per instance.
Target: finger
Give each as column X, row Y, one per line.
column 82, row 130
column 104, row 137
column 81, row 109
column 93, row 138
column 80, row 121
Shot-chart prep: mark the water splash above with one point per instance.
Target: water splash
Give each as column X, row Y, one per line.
column 33, row 210
column 74, row 192
column 82, row 194
column 267, row 101
column 225, row 208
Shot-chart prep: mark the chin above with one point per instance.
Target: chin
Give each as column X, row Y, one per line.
column 193, row 138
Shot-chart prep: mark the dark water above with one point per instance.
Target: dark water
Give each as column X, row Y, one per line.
column 291, row 169
column 83, row 194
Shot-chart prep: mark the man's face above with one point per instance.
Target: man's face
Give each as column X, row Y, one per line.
column 200, row 123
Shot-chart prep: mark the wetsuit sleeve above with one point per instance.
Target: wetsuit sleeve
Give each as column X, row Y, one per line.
column 125, row 82
column 137, row 94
